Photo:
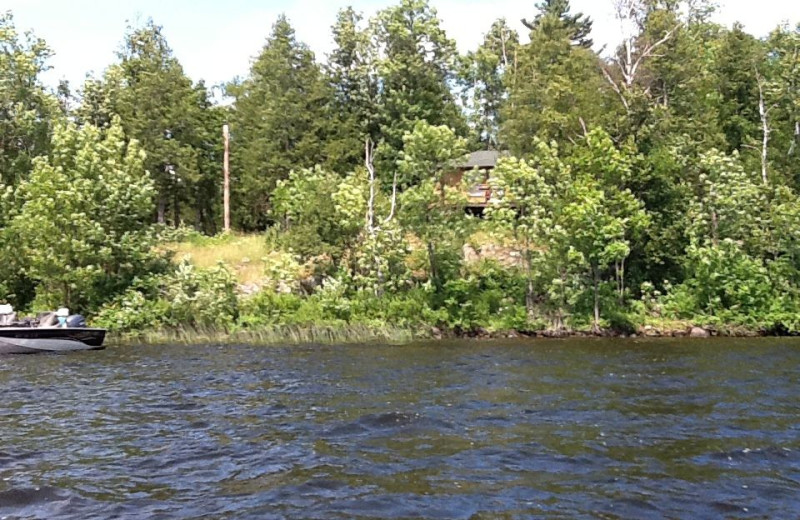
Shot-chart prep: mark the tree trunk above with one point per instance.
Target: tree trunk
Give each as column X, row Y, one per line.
column 595, row 274
column 176, row 212
column 562, row 304
column 434, row 270
column 162, row 210
column 529, row 300
column 226, row 181
column 762, row 111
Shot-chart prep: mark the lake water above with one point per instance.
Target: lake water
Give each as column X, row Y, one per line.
column 469, row 430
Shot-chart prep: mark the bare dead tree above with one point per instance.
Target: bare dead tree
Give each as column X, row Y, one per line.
column 371, row 228
column 369, row 151
column 763, row 112
column 369, row 162
column 630, row 59
column 394, row 199
column 583, row 126
column 617, row 90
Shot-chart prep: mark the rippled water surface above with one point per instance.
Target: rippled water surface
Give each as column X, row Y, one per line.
column 553, row 429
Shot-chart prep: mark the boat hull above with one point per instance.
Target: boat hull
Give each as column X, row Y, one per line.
column 22, row 340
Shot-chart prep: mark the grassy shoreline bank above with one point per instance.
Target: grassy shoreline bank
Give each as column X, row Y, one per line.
column 279, row 334
column 365, row 333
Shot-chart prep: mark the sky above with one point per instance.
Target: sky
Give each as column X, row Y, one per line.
column 216, row 40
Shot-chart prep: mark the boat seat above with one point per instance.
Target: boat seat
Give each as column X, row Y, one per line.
column 7, row 320
column 47, row 319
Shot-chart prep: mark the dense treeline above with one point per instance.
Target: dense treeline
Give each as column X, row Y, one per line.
column 648, row 185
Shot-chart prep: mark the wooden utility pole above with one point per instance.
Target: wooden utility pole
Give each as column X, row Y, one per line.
column 226, row 185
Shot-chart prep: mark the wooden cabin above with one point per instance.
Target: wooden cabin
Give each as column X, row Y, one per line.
column 479, row 194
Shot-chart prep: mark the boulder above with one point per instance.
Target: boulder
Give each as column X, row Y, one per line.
column 698, row 332
column 436, row 333
column 651, row 332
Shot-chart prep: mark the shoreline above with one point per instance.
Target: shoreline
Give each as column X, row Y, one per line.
column 365, row 333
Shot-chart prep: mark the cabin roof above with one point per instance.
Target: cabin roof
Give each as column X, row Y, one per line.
column 482, row 159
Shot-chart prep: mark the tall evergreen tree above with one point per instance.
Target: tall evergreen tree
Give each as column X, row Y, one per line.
column 578, row 26
column 417, row 68
column 279, row 122
column 556, row 91
column 782, row 100
column 737, row 58
column 489, row 70
column 157, row 108
column 205, row 196
column 351, row 71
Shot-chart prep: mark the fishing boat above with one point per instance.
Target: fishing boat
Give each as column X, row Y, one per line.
column 48, row 332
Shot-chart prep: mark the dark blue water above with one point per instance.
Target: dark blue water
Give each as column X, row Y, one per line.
column 550, row 429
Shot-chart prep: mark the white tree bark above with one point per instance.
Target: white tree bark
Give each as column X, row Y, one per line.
column 369, row 149
column 629, row 14
column 763, row 111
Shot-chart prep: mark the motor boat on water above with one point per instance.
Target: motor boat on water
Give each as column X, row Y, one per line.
column 48, row 332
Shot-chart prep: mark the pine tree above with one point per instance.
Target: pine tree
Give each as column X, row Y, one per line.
column 489, row 70
column 279, row 122
column 556, row 92
column 737, row 58
column 157, row 105
column 578, row 25
column 416, row 66
column 351, row 72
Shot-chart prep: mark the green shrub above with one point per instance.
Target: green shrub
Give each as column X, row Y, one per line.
column 186, row 297
column 488, row 294
column 268, row 308
column 725, row 283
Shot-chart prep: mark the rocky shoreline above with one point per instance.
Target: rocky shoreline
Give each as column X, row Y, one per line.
column 647, row 331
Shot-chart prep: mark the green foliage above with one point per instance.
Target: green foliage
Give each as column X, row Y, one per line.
column 432, row 209
column 82, row 223
column 486, row 296
column 186, row 297
column 725, row 282
column 556, row 88
column 380, row 261
column 485, row 75
column 416, row 64
column 572, row 223
column 171, row 119
column 305, row 205
column 27, row 111
column 277, row 124
column 782, row 102
column 728, row 202
column 577, row 25
column 738, row 86
column 657, row 182
column 352, row 73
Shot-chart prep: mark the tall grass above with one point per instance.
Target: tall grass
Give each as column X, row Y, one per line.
column 274, row 335
column 243, row 253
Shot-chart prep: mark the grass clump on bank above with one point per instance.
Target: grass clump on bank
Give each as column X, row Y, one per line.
column 273, row 335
